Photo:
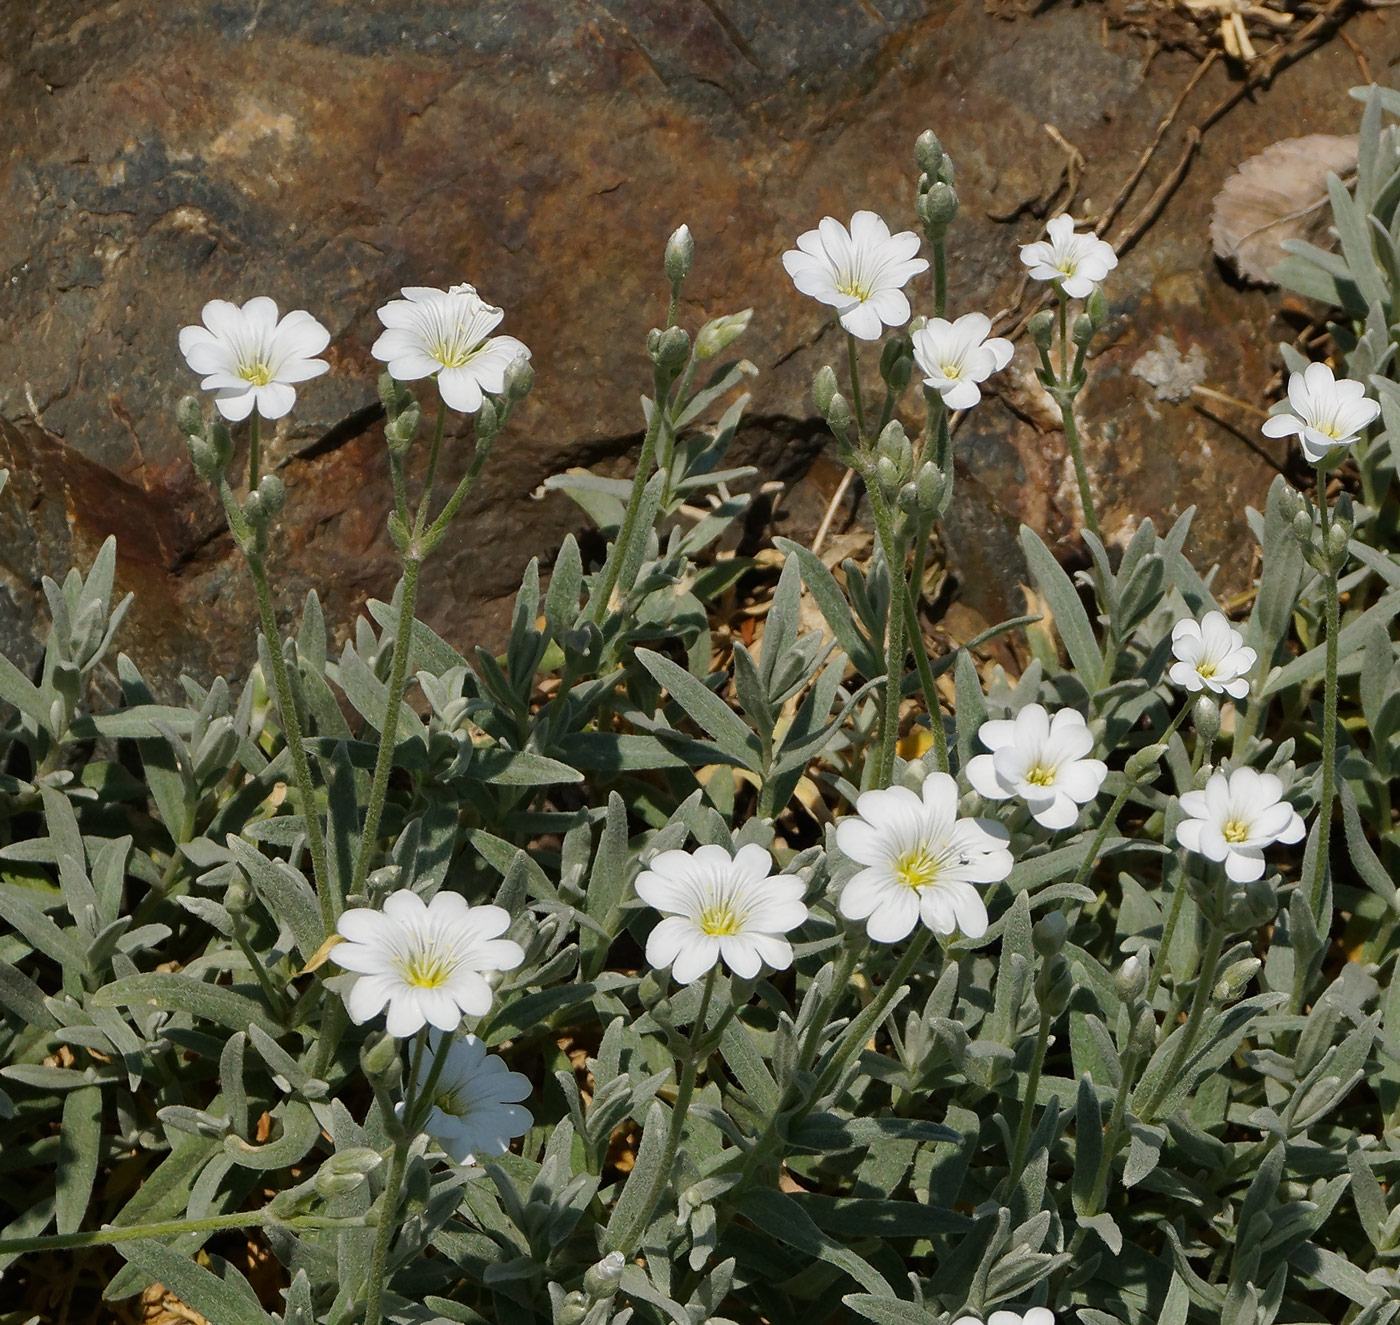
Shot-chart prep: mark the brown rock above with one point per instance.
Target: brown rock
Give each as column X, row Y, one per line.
column 328, row 152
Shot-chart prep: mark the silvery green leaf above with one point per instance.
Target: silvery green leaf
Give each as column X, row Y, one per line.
column 783, row 1217
column 82, row 1144
column 228, row 1299
column 887, row 1310
column 1071, row 620
column 706, row 708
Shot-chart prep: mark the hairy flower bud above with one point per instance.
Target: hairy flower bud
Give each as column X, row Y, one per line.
column 888, row 477
column 222, row 441
column 908, row 499
column 1206, row 716
column 838, row 415
column 1049, row 933
column 601, row 1280
column 190, row 416
column 680, row 252
column 1144, row 1033
column 402, row 428
column 393, row 395
column 237, row 898
column 1143, row 763
column 202, row 457
column 934, row 490
column 1096, row 306
column 721, row 332
column 520, row 377
column 1042, row 328
column 897, row 364
column 668, row 349
column 937, row 208
column 379, row 1056
column 273, row 493
column 1083, row 331
column 893, row 444
column 1131, row 979
column 487, row 423
column 928, row 153
column 1236, row 979
column 573, row 1310
column 1302, row 524
column 824, row 389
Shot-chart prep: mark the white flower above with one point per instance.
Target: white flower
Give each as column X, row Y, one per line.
column 476, row 1102
column 1035, row 1316
column 426, row 961
column 447, row 332
column 861, row 274
column 921, row 861
column 1326, row 413
column 955, row 356
column 249, row 358
column 1077, row 262
column 720, row 906
column 1042, row 760
column 1211, row 655
column 1235, row 818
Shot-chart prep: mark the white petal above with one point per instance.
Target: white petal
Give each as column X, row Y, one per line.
column 863, row 322
column 665, row 942
column 460, row 389
column 896, row 916
column 695, row 959
column 367, row 997
column 981, row 773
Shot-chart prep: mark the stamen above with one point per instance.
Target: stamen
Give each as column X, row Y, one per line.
column 1235, row 831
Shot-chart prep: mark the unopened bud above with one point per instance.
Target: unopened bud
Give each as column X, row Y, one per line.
column 1290, row 502
column 1143, row 763
column 190, row 416
column 1083, row 331
column 379, row 1056
column 908, row 499
column 273, row 493
column 254, row 511
column 887, row 476
column 1302, row 524
column 520, row 377
column 402, row 428
column 668, row 349
column 893, row 444
column 1236, row 979
column 573, row 1310
column 937, row 207
column 1337, row 539
column 824, row 389
column 896, row 365
column 222, row 441
column 394, row 396
column 719, row 333
column 1096, row 306
column 237, row 897
column 1206, row 717
column 1144, row 1033
column 330, row 1185
column 928, row 153
column 1131, row 979
column 202, row 457
column 680, row 252
column 487, row 423
column 1042, row 328
column 601, row 1280
column 1048, row 934
column 933, row 489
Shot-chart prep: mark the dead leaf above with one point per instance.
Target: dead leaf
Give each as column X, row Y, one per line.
column 1279, row 194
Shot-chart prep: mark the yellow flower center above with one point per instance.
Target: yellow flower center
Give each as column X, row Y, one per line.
column 1205, row 668
column 852, row 288
column 917, row 868
column 1041, row 775
column 952, row 371
column 454, row 349
column 259, row 374
column 719, row 919
column 1066, row 266
column 427, row 970
column 448, row 1102
column 1235, row 831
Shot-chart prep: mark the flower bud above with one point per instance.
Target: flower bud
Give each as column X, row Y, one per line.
column 1235, row 979
column 402, row 428
column 1083, row 331
column 202, row 457
column 824, row 389
column 394, row 396
column 887, row 476
column 487, row 424
column 908, row 499
column 237, row 897
column 896, row 364
column 358, row 1159
column 1049, row 933
column 1206, row 716
column 1042, row 328
column 190, row 416
column 379, row 1057
column 1143, row 763
column 893, row 444
column 1337, row 539
column 668, row 349
column 1302, row 523
column 573, row 1310
column 601, row 1280
column 1290, row 503
column 838, row 415
column 1131, row 979
column 1144, row 1033
column 721, row 332
column 222, row 441
column 254, row 511
column 520, row 377
column 680, row 252
column 1056, row 988
column 1096, row 306
column 937, row 208
column 928, row 153
column 273, row 493
column 330, row 1185
column 933, row 489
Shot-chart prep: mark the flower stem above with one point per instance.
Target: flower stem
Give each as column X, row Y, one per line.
column 625, row 1239
column 940, row 277
column 430, row 474
column 807, row 1051
column 856, row 401
column 1023, row 1130
column 1154, row 980
column 1065, row 399
column 1317, row 884
column 602, row 597
column 899, row 608
column 253, row 450
column 170, row 1228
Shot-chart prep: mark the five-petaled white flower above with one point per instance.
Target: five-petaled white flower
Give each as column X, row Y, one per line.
column 955, row 356
column 447, row 333
column 249, row 357
column 476, row 1102
column 1233, row 819
column 921, row 861
column 1076, row 262
column 1211, row 656
column 1325, row 412
column 860, row 273
column 1042, row 760
column 720, row 906
column 425, row 960
column 1034, row 1316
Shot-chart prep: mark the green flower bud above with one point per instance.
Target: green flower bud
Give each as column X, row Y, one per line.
column 572, row 1310
column 520, row 377
column 838, row 415
column 394, row 396
column 237, row 897
column 933, row 488
column 1049, row 933
column 330, row 1185
column 1057, row 988
column 897, row 364
column 254, row 510
column 1290, row 503
column 1206, row 716
column 928, row 153
column 1302, row 523
column 1144, row 1033
column 222, row 441
column 824, row 389
column 379, row 1057
column 721, row 332
column 1131, row 979
column 1143, row 763
column 887, row 476
column 1042, row 328
column 358, row 1159
column 1083, row 331
column 908, row 499
column 601, row 1280
column 668, row 349
column 945, row 170
column 402, row 428
column 1096, row 306
column 893, row 444
column 487, row 424
column 273, row 493
column 202, row 457
column 1337, row 539
column 937, row 208
column 680, row 252
column 190, row 416
column 1235, row 979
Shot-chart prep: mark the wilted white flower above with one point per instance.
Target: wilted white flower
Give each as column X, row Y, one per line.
column 921, row 861
column 425, row 960
column 1042, row 760
column 1211, row 656
column 1034, row 1316
column 1326, row 413
column 955, row 356
column 720, row 906
column 860, row 273
column 249, row 357
column 1077, row 262
column 476, row 1102
column 447, row 333
column 1233, row 819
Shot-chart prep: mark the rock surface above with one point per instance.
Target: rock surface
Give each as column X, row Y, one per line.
column 326, row 152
